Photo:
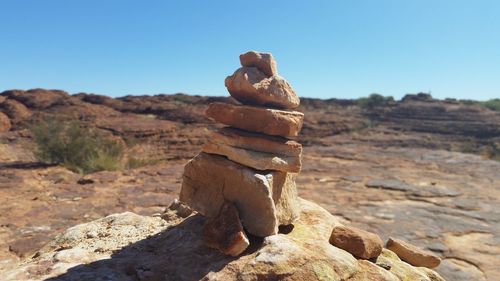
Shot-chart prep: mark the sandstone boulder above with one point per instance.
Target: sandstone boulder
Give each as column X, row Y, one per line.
column 412, row 254
column 131, row 247
column 211, row 180
column 39, row 98
column 4, row 123
column 225, row 232
column 250, row 86
column 15, row 110
column 263, row 61
column 256, row 119
column 360, row 243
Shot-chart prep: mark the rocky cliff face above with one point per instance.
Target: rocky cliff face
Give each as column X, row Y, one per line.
column 127, row 246
column 442, row 117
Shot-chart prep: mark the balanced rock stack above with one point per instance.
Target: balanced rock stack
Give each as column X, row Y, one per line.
column 244, row 178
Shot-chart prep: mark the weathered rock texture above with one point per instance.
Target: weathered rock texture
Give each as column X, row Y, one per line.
column 256, row 119
column 131, row 247
column 256, row 142
column 250, row 86
column 260, row 197
column 454, row 201
column 263, row 61
column 225, row 232
column 255, row 159
column 412, row 254
column 360, row 243
column 15, row 110
column 4, row 123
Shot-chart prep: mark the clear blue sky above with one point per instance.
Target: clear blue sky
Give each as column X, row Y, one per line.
column 343, row 49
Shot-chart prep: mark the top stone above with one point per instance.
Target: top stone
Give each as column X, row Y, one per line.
column 263, row 61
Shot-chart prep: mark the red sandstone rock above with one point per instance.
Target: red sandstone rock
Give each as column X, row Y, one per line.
column 250, row 86
column 4, row 123
column 257, row 119
column 360, row 243
column 263, row 61
column 412, row 254
column 225, row 232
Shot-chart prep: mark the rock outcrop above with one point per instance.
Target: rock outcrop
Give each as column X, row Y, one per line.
column 4, row 123
column 127, row 246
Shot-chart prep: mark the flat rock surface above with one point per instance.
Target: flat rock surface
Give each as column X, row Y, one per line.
column 127, row 246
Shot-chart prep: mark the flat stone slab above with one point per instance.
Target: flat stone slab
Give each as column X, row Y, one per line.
column 257, row 142
column 264, row 200
column 257, row 119
column 414, row 191
column 256, row 150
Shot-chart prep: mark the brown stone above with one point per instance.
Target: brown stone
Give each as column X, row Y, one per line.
column 257, row 142
column 255, row 159
column 263, row 61
column 15, row 110
column 261, row 152
column 257, row 119
column 4, row 123
column 225, row 232
column 412, row 254
column 358, row 242
column 250, row 86
column 211, row 180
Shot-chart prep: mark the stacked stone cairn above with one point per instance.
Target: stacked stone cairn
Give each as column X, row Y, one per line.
column 244, row 178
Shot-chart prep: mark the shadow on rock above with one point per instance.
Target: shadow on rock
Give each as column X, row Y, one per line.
column 177, row 253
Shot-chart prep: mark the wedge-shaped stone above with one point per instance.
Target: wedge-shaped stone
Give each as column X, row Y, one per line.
column 225, row 232
column 260, row 197
column 256, row 142
column 255, row 159
column 251, row 86
column 257, row 119
column 412, row 254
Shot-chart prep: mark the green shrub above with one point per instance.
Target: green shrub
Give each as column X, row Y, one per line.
column 373, row 101
column 493, row 104
column 134, row 162
column 78, row 147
